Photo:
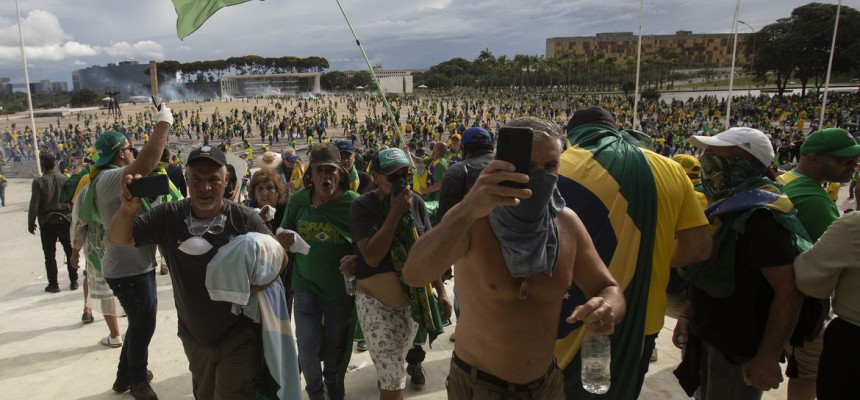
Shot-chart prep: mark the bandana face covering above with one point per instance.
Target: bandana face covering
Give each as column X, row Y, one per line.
column 197, row 245
column 527, row 233
column 722, row 174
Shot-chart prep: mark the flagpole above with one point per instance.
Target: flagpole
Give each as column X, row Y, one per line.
column 638, row 63
column 732, row 72
column 829, row 66
column 375, row 79
column 29, row 97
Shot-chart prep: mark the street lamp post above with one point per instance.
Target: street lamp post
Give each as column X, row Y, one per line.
column 752, row 62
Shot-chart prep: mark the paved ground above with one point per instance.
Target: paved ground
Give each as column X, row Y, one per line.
column 46, row 353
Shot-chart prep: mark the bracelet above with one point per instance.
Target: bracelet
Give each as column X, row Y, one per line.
column 685, row 316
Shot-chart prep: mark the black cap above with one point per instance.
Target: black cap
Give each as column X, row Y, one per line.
column 345, row 146
column 209, row 153
column 591, row 115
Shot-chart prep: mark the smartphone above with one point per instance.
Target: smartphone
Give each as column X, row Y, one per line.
column 156, row 101
column 515, row 147
column 149, row 187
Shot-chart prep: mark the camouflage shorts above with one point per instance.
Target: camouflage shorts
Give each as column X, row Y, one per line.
column 388, row 332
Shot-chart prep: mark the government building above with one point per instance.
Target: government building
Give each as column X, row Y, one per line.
column 696, row 50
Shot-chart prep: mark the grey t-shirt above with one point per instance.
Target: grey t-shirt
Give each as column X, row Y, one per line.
column 201, row 320
column 119, row 262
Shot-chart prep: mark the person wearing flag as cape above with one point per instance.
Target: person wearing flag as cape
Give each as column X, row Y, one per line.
column 636, row 205
column 516, row 251
column 743, row 300
column 319, row 213
column 385, row 223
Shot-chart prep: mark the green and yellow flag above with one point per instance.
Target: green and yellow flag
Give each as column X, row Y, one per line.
column 191, row 14
column 608, row 182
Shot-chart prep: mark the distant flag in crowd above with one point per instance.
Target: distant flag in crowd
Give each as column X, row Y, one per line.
column 191, row 14
column 707, row 130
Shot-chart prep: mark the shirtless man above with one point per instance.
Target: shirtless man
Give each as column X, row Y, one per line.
column 507, row 330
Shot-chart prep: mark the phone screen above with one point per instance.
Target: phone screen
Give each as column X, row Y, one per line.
column 515, row 147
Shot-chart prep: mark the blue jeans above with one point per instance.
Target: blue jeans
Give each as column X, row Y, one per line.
column 139, row 299
column 309, row 311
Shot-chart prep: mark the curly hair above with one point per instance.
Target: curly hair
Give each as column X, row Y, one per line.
column 264, row 175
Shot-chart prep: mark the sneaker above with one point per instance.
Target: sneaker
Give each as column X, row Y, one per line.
column 121, row 385
column 52, row 289
column 452, row 337
column 111, row 341
column 654, row 355
column 143, row 391
column 73, row 285
column 164, row 270
column 361, row 345
column 87, row 317
column 416, row 372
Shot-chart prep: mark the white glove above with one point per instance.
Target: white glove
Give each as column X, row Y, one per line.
column 165, row 115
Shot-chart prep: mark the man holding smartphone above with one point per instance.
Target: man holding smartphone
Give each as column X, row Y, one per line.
column 130, row 272
column 510, row 306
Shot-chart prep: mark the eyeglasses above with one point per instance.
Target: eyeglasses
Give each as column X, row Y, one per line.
column 844, row 160
column 125, row 148
column 399, row 176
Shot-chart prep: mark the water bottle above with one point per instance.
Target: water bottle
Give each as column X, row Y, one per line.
column 349, row 284
column 596, row 357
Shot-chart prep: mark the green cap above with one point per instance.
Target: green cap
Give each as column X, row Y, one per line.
column 391, row 160
column 836, row 141
column 106, row 145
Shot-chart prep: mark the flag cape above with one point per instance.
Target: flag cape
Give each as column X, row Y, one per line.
column 608, row 182
column 191, row 14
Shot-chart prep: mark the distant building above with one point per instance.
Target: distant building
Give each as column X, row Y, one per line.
column 269, row 85
column 703, row 50
column 391, row 80
column 5, row 86
column 48, row 86
column 130, row 78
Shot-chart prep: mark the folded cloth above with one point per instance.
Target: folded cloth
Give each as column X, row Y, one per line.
column 255, row 259
column 300, row 245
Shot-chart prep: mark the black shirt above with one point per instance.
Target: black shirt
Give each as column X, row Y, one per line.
column 366, row 218
column 735, row 325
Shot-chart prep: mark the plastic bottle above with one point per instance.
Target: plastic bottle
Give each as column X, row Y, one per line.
column 596, row 358
column 349, row 284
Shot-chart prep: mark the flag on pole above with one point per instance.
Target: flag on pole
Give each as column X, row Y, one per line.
column 191, row 14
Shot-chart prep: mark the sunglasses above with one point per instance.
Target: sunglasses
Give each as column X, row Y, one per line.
column 399, row 176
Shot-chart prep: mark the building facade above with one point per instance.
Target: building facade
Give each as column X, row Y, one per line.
column 130, row 78
column 269, row 85
column 696, row 50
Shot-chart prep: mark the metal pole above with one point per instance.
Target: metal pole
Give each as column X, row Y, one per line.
column 29, row 96
column 638, row 63
column 752, row 62
column 732, row 72
column 829, row 66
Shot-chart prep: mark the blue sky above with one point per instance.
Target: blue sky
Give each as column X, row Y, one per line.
column 63, row 35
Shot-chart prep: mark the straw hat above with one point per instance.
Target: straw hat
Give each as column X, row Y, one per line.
column 268, row 160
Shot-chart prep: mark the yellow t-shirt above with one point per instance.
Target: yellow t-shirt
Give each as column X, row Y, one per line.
column 678, row 208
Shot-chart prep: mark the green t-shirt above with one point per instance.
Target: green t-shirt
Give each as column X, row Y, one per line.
column 815, row 210
column 437, row 170
column 326, row 229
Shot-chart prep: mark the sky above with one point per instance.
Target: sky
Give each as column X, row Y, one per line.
column 64, row 35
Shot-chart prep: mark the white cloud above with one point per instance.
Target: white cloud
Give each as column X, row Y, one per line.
column 145, row 50
column 44, row 39
column 80, row 63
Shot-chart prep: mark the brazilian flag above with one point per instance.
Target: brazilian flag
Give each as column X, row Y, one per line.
column 608, row 182
column 191, row 14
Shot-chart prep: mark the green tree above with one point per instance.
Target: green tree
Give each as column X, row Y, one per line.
column 84, row 97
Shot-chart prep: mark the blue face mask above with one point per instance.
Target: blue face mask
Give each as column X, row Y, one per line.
column 527, row 233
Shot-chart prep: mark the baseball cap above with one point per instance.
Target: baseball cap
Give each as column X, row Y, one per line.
column 456, row 136
column 476, row 135
column 325, row 154
column 208, row 153
column 106, row 145
column 292, row 158
column 836, row 141
column 345, row 146
column 391, row 160
column 689, row 163
column 751, row 140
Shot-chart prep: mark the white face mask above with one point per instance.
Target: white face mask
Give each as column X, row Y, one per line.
column 195, row 246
